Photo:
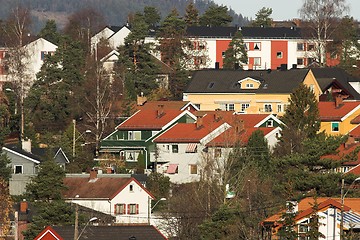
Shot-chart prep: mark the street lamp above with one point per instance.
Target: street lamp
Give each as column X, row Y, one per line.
column 74, row 136
column 90, row 220
column 343, row 195
column 152, row 208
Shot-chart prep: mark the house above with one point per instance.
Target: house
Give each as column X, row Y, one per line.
column 36, row 51
column 122, row 197
column 25, row 163
column 182, row 149
column 115, row 35
column 131, row 232
column 329, row 212
column 339, row 117
column 267, row 47
column 131, row 142
column 247, row 91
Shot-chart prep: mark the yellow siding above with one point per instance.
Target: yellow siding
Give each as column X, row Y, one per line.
column 257, row 102
column 243, row 83
column 344, row 127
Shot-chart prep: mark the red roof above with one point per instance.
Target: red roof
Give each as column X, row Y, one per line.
column 329, row 112
column 48, row 234
column 342, row 151
column 154, row 105
column 355, row 170
column 211, row 120
column 102, row 187
column 305, row 207
column 149, row 119
column 355, row 132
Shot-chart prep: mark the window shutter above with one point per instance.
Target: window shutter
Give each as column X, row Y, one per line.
column 137, row 208
column 124, row 209
column 114, row 208
column 128, row 208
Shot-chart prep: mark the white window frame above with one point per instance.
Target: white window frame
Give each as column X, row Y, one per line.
column 338, row 127
column 257, row 63
column 279, row 55
column 266, row 107
column 22, row 169
column 120, row 208
column 258, row 44
column 302, row 48
column 173, row 148
column 249, row 85
column 244, row 106
column 280, row 108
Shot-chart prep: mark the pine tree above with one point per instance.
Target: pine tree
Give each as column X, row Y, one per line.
column 191, row 15
column 215, row 16
column 235, row 55
column 288, row 228
column 263, row 18
column 151, row 16
column 301, row 121
column 50, row 33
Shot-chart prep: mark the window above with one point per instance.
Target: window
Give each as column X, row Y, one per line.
column 218, row 152
column 130, row 136
column 270, row 123
column 311, row 47
column 300, row 61
column 334, row 126
column 257, row 46
column 18, row 169
column 267, row 107
column 249, row 85
column 131, row 188
column 130, row 156
column 246, row 45
column 227, row 106
column 193, row 168
column 197, row 105
column 279, row 55
column 311, row 86
column 279, row 108
column 223, row 54
column 300, row 46
column 44, row 53
column 133, row 208
column 244, row 106
column 257, row 61
column 175, row 148
column 120, row 208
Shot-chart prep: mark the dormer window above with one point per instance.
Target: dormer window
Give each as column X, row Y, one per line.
column 249, row 85
column 270, row 123
column 211, row 85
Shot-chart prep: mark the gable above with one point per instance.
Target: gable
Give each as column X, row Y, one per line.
column 310, row 81
column 23, row 156
column 249, row 83
column 48, row 234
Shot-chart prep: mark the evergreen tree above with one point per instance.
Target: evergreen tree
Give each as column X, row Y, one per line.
column 258, row 150
column 151, row 16
column 235, row 55
column 288, row 229
column 216, row 16
column 263, row 18
column 48, row 183
column 50, row 33
column 301, row 121
column 191, row 15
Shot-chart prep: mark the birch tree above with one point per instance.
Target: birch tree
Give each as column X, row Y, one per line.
column 322, row 17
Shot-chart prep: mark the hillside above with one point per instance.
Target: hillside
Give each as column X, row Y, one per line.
column 115, row 12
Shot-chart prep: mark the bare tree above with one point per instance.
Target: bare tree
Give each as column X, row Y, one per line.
column 322, row 17
column 17, row 26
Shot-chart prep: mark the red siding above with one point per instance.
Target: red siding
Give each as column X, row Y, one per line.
column 276, row 47
column 221, row 46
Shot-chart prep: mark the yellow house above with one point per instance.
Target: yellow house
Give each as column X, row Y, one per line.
column 339, row 117
column 247, row 91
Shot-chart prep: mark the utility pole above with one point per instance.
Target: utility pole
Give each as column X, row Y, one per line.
column 74, row 135
column 76, row 230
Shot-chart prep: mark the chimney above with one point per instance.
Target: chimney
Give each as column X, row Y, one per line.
column 160, row 111
column 239, row 125
column 350, row 141
column 338, row 100
column 141, row 100
column 26, row 145
column 93, row 174
column 23, row 206
column 217, row 115
column 199, row 122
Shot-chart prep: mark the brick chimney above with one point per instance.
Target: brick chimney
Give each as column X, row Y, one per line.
column 350, row 141
column 160, row 111
column 23, row 206
column 26, row 145
column 93, row 174
column 217, row 115
column 141, row 100
column 239, row 125
column 338, row 100
column 199, row 122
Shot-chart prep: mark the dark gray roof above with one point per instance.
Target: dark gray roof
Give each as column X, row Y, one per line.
column 226, row 81
column 326, row 76
column 142, row 232
column 247, row 32
column 19, row 150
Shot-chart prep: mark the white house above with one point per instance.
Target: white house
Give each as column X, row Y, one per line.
column 115, row 35
column 123, row 197
column 184, row 149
